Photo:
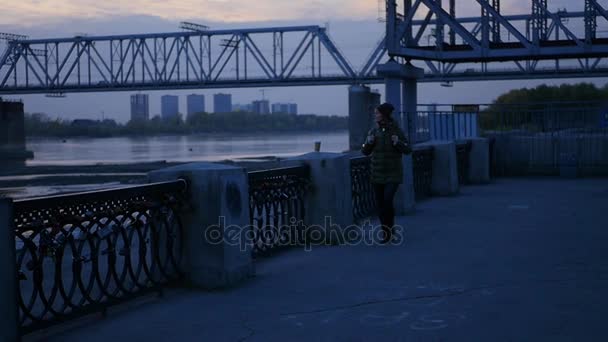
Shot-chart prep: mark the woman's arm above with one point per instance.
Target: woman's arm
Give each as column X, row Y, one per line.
column 402, row 144
column 368, row 146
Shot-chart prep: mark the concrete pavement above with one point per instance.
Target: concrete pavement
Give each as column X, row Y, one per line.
column 516, row 260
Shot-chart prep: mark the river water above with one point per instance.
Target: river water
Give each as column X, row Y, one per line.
column 208, row 147
column 125, row 150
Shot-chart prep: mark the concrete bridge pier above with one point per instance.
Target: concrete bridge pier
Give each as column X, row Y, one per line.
column 12, row 135
column 362, row 102
column 401, row 82
column 411, row 75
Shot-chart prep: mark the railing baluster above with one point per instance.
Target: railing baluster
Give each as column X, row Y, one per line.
column 276, row 198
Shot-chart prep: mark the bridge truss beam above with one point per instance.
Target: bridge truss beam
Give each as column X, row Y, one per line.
column 530, row 36
column 490, row 47
column 172, row 60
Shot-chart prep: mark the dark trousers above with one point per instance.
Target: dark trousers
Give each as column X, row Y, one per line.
column 385, row 194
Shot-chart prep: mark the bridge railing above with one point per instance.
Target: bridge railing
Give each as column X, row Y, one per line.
column 363, row 199
column 277, row 200
column 445, row 125
column 81, row 253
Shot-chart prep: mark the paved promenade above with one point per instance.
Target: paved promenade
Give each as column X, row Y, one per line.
column 516, row 260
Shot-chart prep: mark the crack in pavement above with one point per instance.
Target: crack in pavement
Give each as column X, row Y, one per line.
column 427, row 296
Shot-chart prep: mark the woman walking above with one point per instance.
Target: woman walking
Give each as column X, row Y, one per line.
column 386, row 143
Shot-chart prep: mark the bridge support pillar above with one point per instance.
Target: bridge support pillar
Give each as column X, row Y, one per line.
column 392, row 71
column 411, row 75
column 217, row 232
column 401, row 83
column 402, row 92
column 361, row 105
column 9, row 325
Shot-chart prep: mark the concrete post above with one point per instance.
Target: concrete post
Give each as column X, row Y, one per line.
column 9, row 324
column 445, row 167
column 405, row 198
column 329, row 203
column 479, row 161
column 217, row 231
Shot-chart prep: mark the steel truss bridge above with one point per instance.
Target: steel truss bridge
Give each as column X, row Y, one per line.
column 428, row 33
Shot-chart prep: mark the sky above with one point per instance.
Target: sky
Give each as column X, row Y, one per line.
column 353, row 26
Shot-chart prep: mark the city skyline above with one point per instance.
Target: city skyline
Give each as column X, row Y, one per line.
column 196, row 103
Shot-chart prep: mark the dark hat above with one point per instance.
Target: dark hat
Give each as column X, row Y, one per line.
column 386, row 109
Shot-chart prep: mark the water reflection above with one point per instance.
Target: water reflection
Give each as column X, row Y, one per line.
column 211, row 147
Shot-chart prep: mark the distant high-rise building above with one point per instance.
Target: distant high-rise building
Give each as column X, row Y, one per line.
column 261, row 107
column 237, row 107
column 222, row 103
column 278, row 108
column 292, row 108
column 195, row 103
column 285, row 108
column 140, row 107
column 169, row 106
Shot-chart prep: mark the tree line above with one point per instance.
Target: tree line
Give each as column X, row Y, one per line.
column 237, row 122
column 545, row 95
column 546, row 108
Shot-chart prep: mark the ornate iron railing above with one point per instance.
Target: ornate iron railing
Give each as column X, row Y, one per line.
column 463, row 150
column 81, row 253
column 363, row 199
column 422, row 159
column 277, row 207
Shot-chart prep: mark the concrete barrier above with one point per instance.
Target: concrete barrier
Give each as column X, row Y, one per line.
column 405, row 198
column 9, row 324
column 329, row 202
column 479, row 161
column 445, row 167
column 215, row 255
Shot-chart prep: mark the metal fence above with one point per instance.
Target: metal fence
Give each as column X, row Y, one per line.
column 277, row 199
column 445, row 125
column 548, row 138
column 81, row 253
column 422, row 159
column 363, row 199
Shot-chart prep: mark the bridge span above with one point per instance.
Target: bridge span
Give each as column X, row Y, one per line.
column 493, row 46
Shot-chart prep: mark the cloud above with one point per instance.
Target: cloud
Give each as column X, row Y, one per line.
column 36, row 12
